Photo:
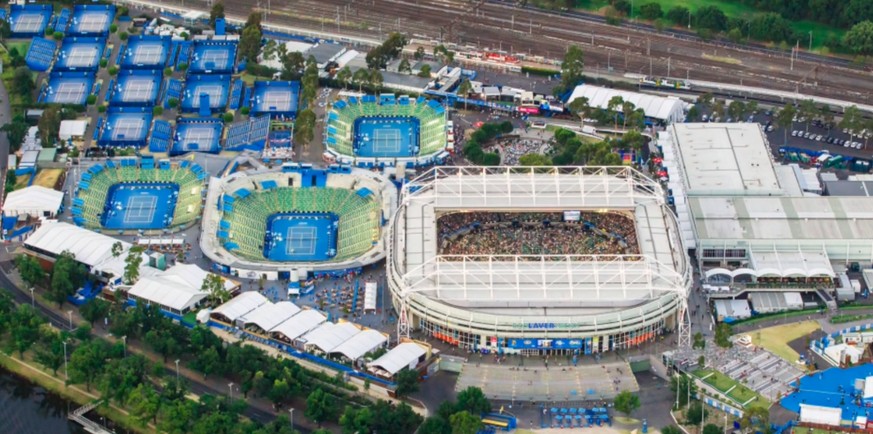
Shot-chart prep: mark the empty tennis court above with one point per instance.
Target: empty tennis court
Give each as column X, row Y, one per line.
column 277, row 98
column 300, row 237
column 216, row 87
column 134, row 89
column 69, row 90
column 29, row 23
column 196, row 136
column 386, row 137
column 91, row 22
column 213, row 56
column 146, row 51
column 139, row 206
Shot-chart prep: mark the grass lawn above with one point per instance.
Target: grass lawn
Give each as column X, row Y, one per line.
column 48, row 177
column 740, row 394
column 21, row 181
column 776, row 339
column 820, row 32
column 21, row 46
column 190, row 318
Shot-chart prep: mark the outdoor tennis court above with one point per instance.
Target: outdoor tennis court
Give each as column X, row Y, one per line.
column 68, row 88
column 29, row 23
column 126, row 126
column 216, row 87
column 213, row 56
column 140, row 206
column 91, row 19
column 137, row 87
column 386, row 137
column 197, row 136
column 146, row 51
column 80, row 53
column 276, row 98
column 29, row 20
column 298, row 237
column 833, row 387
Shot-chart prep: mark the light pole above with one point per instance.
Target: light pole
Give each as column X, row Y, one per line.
column 230, row 390
column 689, row 19
column 66, row 373
column 177, row 370
column 124, row 344
column 70, row 316
column 810, row 40
column 291, row 416
column 32, row 299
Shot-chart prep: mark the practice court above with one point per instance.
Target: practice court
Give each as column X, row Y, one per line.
column 301, row 237
column 386, row 137
column 140, row 206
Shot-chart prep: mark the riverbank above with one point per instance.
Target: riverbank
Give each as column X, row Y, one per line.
column 71, row 393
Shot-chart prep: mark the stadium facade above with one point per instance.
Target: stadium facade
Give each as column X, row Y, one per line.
column 537, row 304
column 239, row 208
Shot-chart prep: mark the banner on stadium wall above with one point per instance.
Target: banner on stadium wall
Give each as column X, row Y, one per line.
column 521, row 344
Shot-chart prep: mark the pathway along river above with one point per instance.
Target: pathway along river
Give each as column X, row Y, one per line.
column 27, row 408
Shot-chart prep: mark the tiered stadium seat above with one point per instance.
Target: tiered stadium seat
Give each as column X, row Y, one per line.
column 94, row 198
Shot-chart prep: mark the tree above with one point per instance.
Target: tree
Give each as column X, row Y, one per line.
column 213, row 286
column 173, row 103
column 407, row 382
column 679, row 15
column 699, row 341
column 464, row 90
column 694, row 414
column 626, row 402
column 770, row 27
column 860, row 38
column 304, row 127
column 215, row 13
column 671, row 429
column 123, row 35
column 375, row 79
column 24, row 328
column 360, row 78
column 88, row 361
column 356, row 421
column 292, row 63
column 132, row 263
column 319, row 406
column 404, row 66
column 723, row 335
column 250, row 43
column 28, row 267
column 117, row 249
column 755, row 418
column 95, row 310
column 344, row 76
column 157, row 110
column 683, row 386
column 852, row 120
column 463, row 422
column 113, row 70
column 572, row 67
column 424, row 72
column 49, row 125
column 711, row 428
column 712, row 18
column 22, row 83
column 473, row 400
column 15, row 131
column 613, row 105
column 785, row 120
column 67, row 276
column 736, row 110
column 50, row 353
column 651, row 11
column 534, row 160
column 582, row 107
column 144, row 404
column 627, row 109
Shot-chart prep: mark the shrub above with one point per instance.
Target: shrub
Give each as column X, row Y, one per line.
column 103, row 63
column 245, row 111
column 158, row 110
column 92, row 99
column 123, row 36
column 113, row 70
column 101, row 109
column 228, row 117
column 58, row 36
column 168, row 72
column 113, row 28
column 173, row 102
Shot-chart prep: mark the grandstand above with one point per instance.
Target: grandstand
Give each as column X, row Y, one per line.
column 387, row 130
column 92, row 207
column 518, row 253
column 314, row 219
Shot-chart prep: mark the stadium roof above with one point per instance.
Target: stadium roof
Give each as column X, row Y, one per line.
column 89, row 248
column 723, row 159
column 329, row 335
column 401, row 356
column 36, row 201
column 299, row 324
column 782, row 218
column 668, row 109
column 360, row 344
column 269, row 315
column 241, row 305
column 532, row 282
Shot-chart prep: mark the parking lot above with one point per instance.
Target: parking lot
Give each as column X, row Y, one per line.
column 806, row 136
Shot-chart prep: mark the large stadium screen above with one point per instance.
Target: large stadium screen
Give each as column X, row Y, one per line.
column 572, row 216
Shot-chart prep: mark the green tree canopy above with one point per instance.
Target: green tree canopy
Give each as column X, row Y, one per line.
column 626, row 402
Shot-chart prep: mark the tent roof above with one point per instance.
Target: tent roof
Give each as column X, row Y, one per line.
column 89, row 248
column 72, row 128
column 360, row 344
column 296, row 326
column 399, row 357
column 656, row 107
column 33, row 199
column 269, row 315
column 241, row 305
column 168, row 293
column 329, row 335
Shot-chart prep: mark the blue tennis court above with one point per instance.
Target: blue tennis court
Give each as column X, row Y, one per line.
column 136, row 87
column 72, row 87
column 833, row 387
column 91, row 20
column 215, row 87
column 213, row 57
column 80, row 53
column 301, row 237
column 146, row 52
column 140, row 206
column 30, row 20
column 386, row 137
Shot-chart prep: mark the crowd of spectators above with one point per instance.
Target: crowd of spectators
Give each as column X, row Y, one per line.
column 513, row 148
column 498, row 233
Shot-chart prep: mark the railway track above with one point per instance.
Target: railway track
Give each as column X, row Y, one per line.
column 632, row 48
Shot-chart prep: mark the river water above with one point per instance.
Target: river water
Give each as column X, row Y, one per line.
column 26, row 408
